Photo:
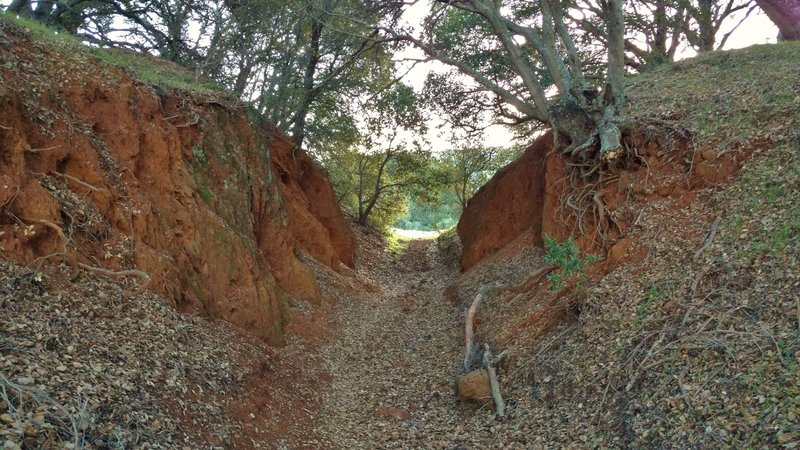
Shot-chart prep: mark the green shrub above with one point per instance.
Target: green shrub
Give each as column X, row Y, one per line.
column 566, row 256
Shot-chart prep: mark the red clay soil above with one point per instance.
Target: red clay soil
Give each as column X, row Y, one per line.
column 536, row 195
column 182, row 186
column 506, row 206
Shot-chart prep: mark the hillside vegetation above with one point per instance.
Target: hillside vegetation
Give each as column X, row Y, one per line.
column 666, row 317
column 687, row 334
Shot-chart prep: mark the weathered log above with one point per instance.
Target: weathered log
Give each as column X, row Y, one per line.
column 469, row 328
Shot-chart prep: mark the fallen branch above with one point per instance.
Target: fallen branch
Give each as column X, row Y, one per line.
column 469, row 328
column 489, row 363
column 709, row 238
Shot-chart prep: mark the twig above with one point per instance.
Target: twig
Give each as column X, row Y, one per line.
column 499, row 403
column 42, row 396
column 709, row 238
column 82, row 183
column 696, row 284
column 11, row 199
column 40, row 150
column 683, row 391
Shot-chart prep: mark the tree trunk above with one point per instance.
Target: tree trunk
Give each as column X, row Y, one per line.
column 364, row 212
column 21, row 7
column 705, row 22
column 299, row 128
column 786, row 16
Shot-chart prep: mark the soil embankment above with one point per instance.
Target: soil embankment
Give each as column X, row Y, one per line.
column 105, row 172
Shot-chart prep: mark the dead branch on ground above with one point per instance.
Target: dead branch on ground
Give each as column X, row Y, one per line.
column 489, row 364
column 712, row 232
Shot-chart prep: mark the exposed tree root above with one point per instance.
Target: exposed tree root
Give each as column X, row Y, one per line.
column 80, row 182
column 72, row 261
column 121, row 273
column 526, row 285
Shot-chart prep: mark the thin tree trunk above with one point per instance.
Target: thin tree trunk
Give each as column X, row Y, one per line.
column 299, row 128
column 21, row 7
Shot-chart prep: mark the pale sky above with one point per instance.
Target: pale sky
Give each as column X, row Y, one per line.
column 757, row 29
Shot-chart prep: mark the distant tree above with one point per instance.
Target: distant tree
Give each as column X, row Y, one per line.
column 426, row 215
column 657, row 29
column 785, row 14
column 469, row 168
column 375, row 179
column 707, row 18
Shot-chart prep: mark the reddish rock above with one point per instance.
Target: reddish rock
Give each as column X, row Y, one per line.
column 317, row 220
column 618, row 253
column 529, row 196
column 475, row 386
column 393, row 413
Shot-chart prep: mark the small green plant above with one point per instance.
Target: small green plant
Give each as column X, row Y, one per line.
column 653, row 293
column 566, row 256
column 199, row 154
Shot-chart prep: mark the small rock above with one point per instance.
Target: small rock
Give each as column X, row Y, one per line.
column 393, row 413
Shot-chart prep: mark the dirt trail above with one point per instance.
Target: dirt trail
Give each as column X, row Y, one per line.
column 394, row 362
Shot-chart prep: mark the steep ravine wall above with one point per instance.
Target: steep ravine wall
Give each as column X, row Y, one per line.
column 538, row 195
column 212, row 205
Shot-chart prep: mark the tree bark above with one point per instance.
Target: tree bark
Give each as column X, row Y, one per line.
column 299, row 128
column 786, row 16
column 21, row 7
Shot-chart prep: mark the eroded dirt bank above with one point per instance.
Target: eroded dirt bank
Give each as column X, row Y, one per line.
column 106, row 172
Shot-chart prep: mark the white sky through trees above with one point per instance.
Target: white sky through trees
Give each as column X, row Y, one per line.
column 756, row 29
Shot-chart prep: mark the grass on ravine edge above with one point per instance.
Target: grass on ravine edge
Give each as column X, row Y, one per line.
column 148, row 69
